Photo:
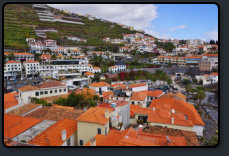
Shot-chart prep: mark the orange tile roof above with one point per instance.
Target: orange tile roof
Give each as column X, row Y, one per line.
column 6, row 53
column 14, row 125
column 10, row 100
column 52, row 136
column 52, row 83
column 178, row 95
column 117, row 84
column 89, row 74
column 137, row 85
column 99, row 84
column 155, row 93
column 31, row 61
column 193, row 57
column 28, row 88
column 107, row 94
column 12, row 61
column 210, row 55
column 113, row 67
column 22, row 54
column 94, row 115
column 139, row 96
column 96, row 68
column 214, row 74
column 165, row 105
column 131, row 137
column 49, row 56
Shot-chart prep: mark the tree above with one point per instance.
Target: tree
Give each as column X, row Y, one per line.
column 188, row 88
column 11, row 56
column 169, row 81
column 200, row 94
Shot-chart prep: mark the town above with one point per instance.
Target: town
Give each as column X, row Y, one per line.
column 135, row 90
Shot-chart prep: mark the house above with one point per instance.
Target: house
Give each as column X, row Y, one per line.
column 151, row 95
column 173, row 113
column 45, row 89
column 61, row 133
column 207, row 79
column 45, row 58
column 124, row 49
column 97, row 70
column 113, row 69
column 20, row 57
column 100, row 87
column 120, row 114
column 138, row 87
column 15, row 125
column 31, row 67
column 133, row 137
column 92, row 122
column 193, row 59
column 89, row 75
column 12, row 68
column 10, row 101
column 214, row 77
column 51, row 44
column 139, row 98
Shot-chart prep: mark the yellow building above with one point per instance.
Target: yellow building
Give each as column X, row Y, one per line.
column 94, row 121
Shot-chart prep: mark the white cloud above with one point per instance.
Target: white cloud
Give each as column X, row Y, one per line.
column 159, row 35
column 178, row 27
column 212, row 35
column 139, row 16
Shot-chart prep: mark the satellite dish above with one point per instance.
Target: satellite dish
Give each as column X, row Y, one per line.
column 128, row 93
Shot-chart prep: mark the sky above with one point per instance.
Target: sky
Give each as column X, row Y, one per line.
column 168, row 21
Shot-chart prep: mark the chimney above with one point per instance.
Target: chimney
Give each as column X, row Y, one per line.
column 140, row 129
column 153, row 108
column 93, row 142
column 107, row 114
column 63, row 135
column 172, row 120
column 173, row 111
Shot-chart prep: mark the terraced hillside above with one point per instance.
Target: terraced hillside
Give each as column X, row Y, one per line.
column 20, row 21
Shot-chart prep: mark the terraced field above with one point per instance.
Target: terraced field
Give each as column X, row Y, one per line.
column 20, row 21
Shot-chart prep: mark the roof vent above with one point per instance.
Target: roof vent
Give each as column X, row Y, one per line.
column 173, row 110
column 153, row 108
column 63, row 135
column 172, row 120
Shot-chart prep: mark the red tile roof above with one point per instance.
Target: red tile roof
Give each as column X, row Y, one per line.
column 137, row 85
column 214, row 74
column 10, row 100
column 211, row 55
column 100, row 84
column 94, row 115
column 131, row 137
column 31, row 61
column 49, row 84
column 139, row 96
column 22, row 54
column 155, row 93
column 89, row 74
column 117, row 84
column 165, row 105
column 14, row 125
column 52, row 136
column 28, row 88
column 12, row 61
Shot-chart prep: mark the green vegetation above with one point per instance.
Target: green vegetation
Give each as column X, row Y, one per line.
column 167, row 46
column 78, row 100
column 20, row 21
column 144, row 75
column 40, row 101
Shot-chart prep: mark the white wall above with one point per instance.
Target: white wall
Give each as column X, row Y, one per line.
column 198, row 129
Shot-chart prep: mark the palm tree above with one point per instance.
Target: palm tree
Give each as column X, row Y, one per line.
column 188, row 88
column 200, row 95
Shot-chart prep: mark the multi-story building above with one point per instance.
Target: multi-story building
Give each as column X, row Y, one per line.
column 100, row 87
column 12, row 68
column 65, row 65
column 31, row 67
column 21, row 56
column 193, row 59
column 94, row 121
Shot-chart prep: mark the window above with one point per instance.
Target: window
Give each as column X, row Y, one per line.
column 55, row 91
column 186, row 117
column 81, row 142
column 46, row 92
column 50, row 91
column 60, row 90
column 133, row 102
column 64, row 90
column 36, row 93
column 99, row 130
column 41, row 93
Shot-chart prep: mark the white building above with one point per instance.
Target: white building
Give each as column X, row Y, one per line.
column 100, row 87
column 45, row 89
column 138, row 87
column 31, row 67
column 12, row 68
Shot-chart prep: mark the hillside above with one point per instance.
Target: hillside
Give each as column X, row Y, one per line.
column 20, row 21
